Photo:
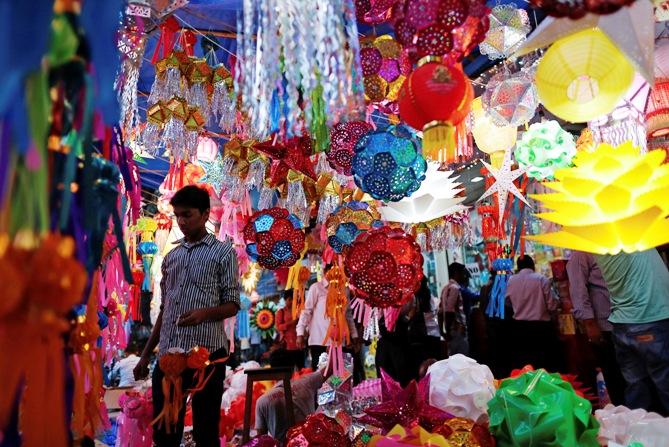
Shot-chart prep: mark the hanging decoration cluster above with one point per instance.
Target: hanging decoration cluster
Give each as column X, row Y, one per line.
column 612, row 200
column 510, row 99
column 301, row 66
column 186, row 93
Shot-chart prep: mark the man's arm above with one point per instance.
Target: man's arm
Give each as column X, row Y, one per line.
column 141, row 370
column 551, row 299
column 578, row 271
column 261, row 414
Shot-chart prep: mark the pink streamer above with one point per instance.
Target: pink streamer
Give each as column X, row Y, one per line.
column 390, row 315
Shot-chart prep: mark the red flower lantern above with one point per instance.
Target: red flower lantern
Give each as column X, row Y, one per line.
column 435, row 99
column 444, row 28
column 575, row 9
column 385, row 266
column 343, row 138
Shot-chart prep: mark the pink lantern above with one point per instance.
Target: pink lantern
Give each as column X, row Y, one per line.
column 207, row 149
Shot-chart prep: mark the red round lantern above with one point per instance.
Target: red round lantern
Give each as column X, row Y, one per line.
column 576, row 9
column 435, row 99
column 385, row 267
column 343, row 137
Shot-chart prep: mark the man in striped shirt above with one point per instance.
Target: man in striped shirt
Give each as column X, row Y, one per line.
column 200, row 289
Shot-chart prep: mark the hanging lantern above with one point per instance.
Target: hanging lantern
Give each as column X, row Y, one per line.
column 576, row 9
column 348, row 222
column 490, row 138
column 613, row 200
column 508, row 29
column 274, row 238
column 387, row 164
column 544, row 148
column 510, row 99
column 444, row 28
column 385, row 267
column 657, row 110
column 385, row 67
column 583, row 76
column 343, row 138
column 435, row 99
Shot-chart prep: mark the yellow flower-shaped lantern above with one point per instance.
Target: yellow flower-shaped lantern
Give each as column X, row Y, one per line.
column 583, row 76
column 614, row 199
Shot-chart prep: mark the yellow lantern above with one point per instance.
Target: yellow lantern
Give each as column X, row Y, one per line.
column 583, row 76
column 614, row 199
column 489, row 137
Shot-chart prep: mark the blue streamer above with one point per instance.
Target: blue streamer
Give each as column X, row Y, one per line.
column 495, row 308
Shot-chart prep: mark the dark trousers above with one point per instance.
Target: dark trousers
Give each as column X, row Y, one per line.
column 392, row 355
column 206, row 406
column 537, row 343
column 316, row 352
column 605, row 355
column 642, row 351
column 297, row 356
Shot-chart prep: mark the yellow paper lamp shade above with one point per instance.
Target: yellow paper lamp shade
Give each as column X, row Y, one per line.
column 488, row 136
column 614, row 199
column 583, row 76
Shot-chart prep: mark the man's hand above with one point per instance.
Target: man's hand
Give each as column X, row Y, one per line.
column 592, row 331
column 193, row 317
column 141, row 370
column 300, row 342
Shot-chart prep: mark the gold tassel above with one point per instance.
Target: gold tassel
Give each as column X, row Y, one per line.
column 439, row 142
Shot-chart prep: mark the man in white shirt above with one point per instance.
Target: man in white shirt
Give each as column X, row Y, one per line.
column 124, row 368
column 314, row 321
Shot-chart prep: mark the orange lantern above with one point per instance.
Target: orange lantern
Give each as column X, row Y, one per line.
column 435, row 98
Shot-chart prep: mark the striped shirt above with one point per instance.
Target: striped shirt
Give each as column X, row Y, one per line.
column 197, row 275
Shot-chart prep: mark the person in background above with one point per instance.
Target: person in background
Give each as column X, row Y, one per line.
column 200, row 289
column 393, row 349
column 124, row 368
column 423, row 327
column 314, row 321
column 639, row 288
column 286, row 325
column 592, row 306
column 271, row 415
column 452, row 319
column 536, row 340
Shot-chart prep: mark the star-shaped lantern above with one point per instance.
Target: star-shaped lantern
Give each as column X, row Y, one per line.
column 214, row 173
column 407, row 407
column 293, row 154
column 504, row 178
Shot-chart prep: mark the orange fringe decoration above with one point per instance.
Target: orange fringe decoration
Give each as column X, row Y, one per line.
column 44, row 285
column 88, row 412
column 335, row 310
column 298, row 291
column 173, row 364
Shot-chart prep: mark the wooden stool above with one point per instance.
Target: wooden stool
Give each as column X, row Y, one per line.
column 259, row 375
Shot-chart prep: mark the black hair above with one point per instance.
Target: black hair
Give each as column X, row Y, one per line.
column 525, row 262
column 456, row 268
column 192, row 196
column 280, row 358
column 288, row 294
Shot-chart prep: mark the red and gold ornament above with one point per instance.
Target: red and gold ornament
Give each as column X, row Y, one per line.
column 274, row 238
column 318, row 430
column 435, row 99
column 343, row 138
